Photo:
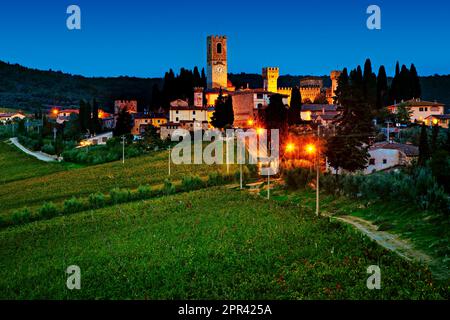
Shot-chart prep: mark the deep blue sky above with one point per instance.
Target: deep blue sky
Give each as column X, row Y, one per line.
column 146, row 38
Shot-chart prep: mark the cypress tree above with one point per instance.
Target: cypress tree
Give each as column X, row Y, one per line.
column 382, row 88
column 296, row 106
column 219, row 117
column 370, row 84
column 434, row 138
column 424, row 149
column 416, row 91
column 96, row 125
column 348, row 149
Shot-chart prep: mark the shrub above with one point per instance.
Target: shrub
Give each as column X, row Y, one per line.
column 191, row 183
column 144, row 192
column 120, row 195
column 298, row 178
column 168, row 187
column 48, row 210
column 73, row 205
column 49, row 149
column 97, row 200
column 21, row 216
column 215, row 179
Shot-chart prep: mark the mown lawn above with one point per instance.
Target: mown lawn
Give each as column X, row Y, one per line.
column 45, row 183
column 208, row 244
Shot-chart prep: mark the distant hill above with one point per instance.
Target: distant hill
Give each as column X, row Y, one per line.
column 25, row 88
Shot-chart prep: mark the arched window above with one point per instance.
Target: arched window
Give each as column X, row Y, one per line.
column 219, row 48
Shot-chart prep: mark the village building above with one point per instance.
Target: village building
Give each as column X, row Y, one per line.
column 420, row 110
column 143, row 120
column 130, row 105
column 100, row 139
column 65, row 114
column 310, row 112
column 387, row 155
column 441, row 120
column 249, row 103
column 11, row 116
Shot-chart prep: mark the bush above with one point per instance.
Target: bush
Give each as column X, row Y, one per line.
column 21, row 216
column 48, row 210
column 144, row 192
column 73, row 205
column 298, row 178
column 49, row 149
column 97, row 200
column 120, row 195
column 168, row 187
column 192, row 183
column 215, row 179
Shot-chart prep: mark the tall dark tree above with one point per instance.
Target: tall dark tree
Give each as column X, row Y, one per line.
column 296, row 106
column 370, row 85
column 348, row 149
column 434, row 138
column 197, row 78
column 203, row 82
column 276, row 116
column 382, row 88
column 404, row 84
column 219, row 117
column 424, row 149
column 123, row 124
column 96, row 125
column 394, row 90
column 83, row 116
column 416, row 91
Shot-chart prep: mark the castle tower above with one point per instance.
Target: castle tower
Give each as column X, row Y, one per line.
column 334, row 81
column 198, row 97
column 217, row 67
column 270, row 76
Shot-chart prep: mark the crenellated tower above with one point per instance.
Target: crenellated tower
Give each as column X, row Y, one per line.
column 270, row 76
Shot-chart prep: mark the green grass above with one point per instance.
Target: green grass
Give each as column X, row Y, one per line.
column 428, row 232
column 45, row 184
column 210, row 244
column 16, row 165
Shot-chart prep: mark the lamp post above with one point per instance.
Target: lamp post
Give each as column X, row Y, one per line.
column 170, row 153
column 123, row 149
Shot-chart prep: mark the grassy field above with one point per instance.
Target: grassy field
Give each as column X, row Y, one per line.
column 52, row 182
column 213, row 244
column 16, row 165
column 427, row 231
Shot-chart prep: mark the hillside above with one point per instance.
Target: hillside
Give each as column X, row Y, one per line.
column 25, row 88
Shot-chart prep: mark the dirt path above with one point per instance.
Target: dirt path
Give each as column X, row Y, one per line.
column 385, row 239
column 39, row 155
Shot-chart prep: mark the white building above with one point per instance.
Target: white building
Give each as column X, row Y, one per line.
column 420, row 110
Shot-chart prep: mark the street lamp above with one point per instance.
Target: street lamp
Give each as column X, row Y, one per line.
column 290, row 147
column 312, row 149
column 250, row 122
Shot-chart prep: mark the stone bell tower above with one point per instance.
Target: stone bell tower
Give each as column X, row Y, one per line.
column 270, row 76
column 217, row 67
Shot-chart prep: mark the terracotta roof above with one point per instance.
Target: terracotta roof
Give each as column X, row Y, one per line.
column 408, row 149
column 439, row 116
column 319, row 107
column 418, row 103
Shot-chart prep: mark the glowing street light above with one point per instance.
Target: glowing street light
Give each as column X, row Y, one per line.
column 290, row 147
column 259, row 131
column 250, row 122
column 310, row 148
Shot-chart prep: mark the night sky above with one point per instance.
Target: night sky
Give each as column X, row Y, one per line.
column 146, row 38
